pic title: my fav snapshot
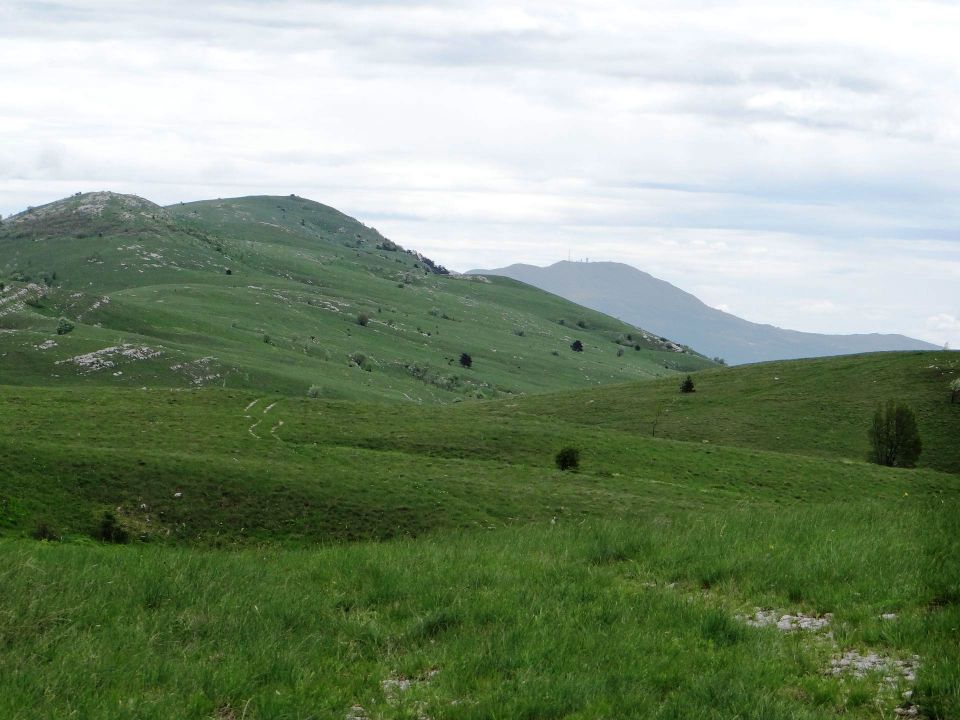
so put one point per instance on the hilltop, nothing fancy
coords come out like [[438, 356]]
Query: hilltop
[[288, 294], [637, 297]]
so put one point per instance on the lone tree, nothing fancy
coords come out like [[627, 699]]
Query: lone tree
[[363, 319], [576, 346], [465, 360], [955, 390], [64, 326], [687, 385], [894, 436]]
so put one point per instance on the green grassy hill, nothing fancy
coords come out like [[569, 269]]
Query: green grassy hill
[[819, 407], [274, 468], [268, 292]]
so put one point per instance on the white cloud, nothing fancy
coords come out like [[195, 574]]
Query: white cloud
[[768, 156]]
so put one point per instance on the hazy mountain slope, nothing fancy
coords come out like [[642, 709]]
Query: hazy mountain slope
[[637, 297], [282, 293]]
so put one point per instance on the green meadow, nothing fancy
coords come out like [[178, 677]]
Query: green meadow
[[308, 534]]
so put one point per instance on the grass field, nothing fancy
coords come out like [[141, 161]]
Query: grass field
[[629, 619], [399, 543]]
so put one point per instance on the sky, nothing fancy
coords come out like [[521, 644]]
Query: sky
[[792, 163]]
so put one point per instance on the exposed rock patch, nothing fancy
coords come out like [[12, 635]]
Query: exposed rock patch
[[107, 357], [893, 670], [786, 622]]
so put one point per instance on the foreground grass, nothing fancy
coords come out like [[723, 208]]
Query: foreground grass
[[595, 620]]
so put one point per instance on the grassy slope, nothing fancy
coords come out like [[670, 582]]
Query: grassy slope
[[290, 469], [286, 316], [819, 407]]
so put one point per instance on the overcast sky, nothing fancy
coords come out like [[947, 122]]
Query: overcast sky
[[794, 163]]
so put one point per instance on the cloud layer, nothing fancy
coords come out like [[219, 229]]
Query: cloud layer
[[796, 164]]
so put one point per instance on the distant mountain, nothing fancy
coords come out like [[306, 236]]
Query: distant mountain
[[641, 299]]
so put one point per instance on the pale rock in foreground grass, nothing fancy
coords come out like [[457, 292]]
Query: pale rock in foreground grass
[[853, 663], [786, 622], [357, 712], [396, 685]]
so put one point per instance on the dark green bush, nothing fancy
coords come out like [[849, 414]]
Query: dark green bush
[[64, 326], [576, 346], [568, 458], [687, 385], [465, 360], [110, 530], [45, 531]]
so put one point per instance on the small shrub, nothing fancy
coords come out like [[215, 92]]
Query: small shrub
[[363, 319], [555, 353], [465, 360], [518, 332], [955, 390], [576, 346], [619, 352], [267, 340], [360, 360], [894, 436], [110, 530], [45, 531], [582, 324], [228, 271], [687, 385], [568, 458], [325, 392], [64, 326]]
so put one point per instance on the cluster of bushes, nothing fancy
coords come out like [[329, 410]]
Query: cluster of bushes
[[107, 529], [432, 376]]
